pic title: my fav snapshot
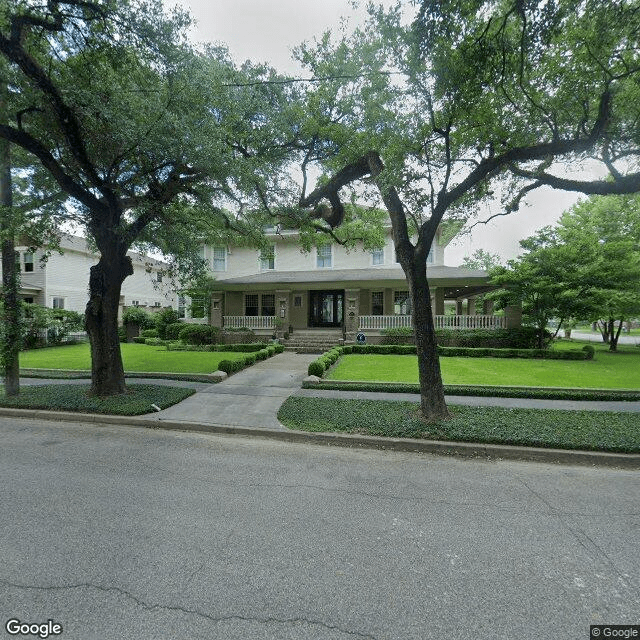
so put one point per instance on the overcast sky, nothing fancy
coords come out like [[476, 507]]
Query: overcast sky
[[267, 30]]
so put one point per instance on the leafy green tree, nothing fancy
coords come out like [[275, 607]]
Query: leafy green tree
[[433, 116], [151, 141], [604, 268], [482, 260]]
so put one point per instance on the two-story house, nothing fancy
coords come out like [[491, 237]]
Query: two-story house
[[333, 287], [62, 281]]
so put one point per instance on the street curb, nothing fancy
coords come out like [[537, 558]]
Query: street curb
[[448, 448]]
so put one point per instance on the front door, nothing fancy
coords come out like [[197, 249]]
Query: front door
[[326, 308]]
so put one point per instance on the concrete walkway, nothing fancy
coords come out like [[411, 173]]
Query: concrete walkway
[[252, 397], [249, 398]]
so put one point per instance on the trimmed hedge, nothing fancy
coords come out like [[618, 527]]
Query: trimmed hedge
[[243, 348], [199, 334], [233, 366], [172, 331], [514, 338], [586, 353], [482, 391], [149, 333]]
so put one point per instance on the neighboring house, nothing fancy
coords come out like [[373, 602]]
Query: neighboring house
[[332, 287], [62, 281]]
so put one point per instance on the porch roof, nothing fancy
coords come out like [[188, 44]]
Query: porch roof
[[456, 281]]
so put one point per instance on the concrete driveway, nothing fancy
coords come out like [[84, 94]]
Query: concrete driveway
[[250, 398]]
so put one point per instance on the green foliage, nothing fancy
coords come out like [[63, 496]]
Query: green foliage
[[167, 318], [171, 331], [482, 391], [67, 397], [149, 333], [199, 334], [139, 316], [56, 324], [589, 430]]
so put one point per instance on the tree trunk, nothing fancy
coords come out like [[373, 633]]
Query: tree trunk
[[11, 329], [615, 334], [101, 322], [432, 403]]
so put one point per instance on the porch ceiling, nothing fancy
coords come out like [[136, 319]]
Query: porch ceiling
[[452, 278]]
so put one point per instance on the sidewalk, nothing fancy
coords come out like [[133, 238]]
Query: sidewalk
[[247, 404]]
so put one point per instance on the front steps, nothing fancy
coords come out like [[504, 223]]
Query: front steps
[[313, 340]]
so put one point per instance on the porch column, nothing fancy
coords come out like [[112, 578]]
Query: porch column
[[471, 306], [513, 316], [487, 307], [215, 314], [459, 307], [439, 302], [351, 313], [282, 310]]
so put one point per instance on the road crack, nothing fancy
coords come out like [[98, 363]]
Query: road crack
[[191, 612]]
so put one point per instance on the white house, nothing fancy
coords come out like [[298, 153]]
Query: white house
[[333, 287], [62, 281]]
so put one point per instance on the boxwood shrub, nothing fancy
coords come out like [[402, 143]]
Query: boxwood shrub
[[199, 334]]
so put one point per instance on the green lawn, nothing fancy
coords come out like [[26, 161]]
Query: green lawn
[[607, 371], [590, 430], [136, 357]]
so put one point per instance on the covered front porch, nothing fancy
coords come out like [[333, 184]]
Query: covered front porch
[[353, 301]]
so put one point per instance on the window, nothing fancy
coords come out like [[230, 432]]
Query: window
[[377, 256], [28, 262], [219, 259], [401, 303], [135, 303], [251, 304], [377, 303], [156, 304], [297, 302], [430, 258], [268, 259], [58, 303], [159, 278], [198, 308], [268, 304], [324, 257]]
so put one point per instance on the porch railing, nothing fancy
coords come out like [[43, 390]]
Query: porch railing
[[441, 322], [250, 322]]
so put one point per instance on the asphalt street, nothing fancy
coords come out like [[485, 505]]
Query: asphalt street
[[119, 532]]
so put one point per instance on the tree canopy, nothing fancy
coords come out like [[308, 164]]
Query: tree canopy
[[585, 268]]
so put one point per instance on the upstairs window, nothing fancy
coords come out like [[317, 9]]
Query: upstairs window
[[377, 256], [268, 259], [28, 262], [58, 303], [219, 258], [324, 257]]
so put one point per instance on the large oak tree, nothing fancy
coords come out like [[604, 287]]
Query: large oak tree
[[470, 99], [142, 133]]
